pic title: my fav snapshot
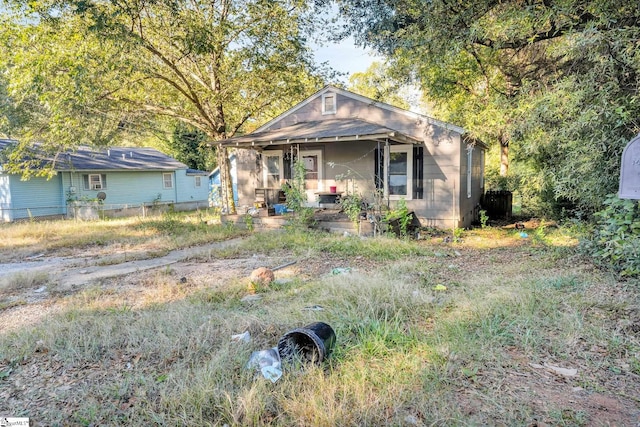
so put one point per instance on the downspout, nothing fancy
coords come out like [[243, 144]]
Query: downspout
[[454, 224]]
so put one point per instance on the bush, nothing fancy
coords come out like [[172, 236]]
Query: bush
[[615, 242]]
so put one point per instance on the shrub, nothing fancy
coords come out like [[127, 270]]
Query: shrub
[[402, 215], [615, 242], [352, 206], [296, 197]]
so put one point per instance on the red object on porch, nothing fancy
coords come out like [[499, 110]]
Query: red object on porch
[[333, 189]]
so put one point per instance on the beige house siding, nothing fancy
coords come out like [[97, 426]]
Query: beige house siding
[[350, 165], [419, 127]]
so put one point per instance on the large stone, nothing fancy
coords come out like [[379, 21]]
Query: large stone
[[630, 171], [262, 277]]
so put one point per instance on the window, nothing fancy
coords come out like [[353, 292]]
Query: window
[[167, 180], [94, 181], [469, 167], [312, 171], [329, 103], [399, 174], [402, 175], [198, 181], [272, 169]]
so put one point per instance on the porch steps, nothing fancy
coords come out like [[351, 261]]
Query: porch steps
[[333, 225]]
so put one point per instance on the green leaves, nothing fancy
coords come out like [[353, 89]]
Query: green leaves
[[377, 83], [116, 71], [616, 239], [557, 82]]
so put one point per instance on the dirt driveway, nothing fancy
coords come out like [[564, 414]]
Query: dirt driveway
[[68, 275]]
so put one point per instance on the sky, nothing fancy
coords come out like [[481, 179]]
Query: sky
[[345, 56]]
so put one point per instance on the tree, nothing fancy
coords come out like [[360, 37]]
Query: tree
[[188, 145], [377, 83], [219, 66], [50, 91], [555, 81]]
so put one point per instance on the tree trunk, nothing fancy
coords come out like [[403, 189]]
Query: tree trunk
[[504, 155], [231, 203], [226, 182]]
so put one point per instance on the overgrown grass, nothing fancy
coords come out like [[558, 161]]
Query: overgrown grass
[[406, 354], [162, 233], [313, 243], [26, 280]]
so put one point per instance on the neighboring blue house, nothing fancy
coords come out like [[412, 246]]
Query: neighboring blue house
[[215, 198], [125, 180]]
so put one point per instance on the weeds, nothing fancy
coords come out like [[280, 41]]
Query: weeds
[[405, 354], [21, 281], [170, 231]]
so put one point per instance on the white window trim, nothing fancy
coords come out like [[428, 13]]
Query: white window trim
[[469, 169], [399, 149], [164, 181], [95, 185], [311, 196], [334, 110], [265, 170], [197, 181]]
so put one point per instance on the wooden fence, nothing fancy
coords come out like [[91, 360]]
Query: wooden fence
[[498, 204]]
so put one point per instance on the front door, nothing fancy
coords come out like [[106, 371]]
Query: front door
[[313, 175]]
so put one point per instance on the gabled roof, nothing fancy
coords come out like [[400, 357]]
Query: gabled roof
[[330, 130], [383, 105], [116, 159]]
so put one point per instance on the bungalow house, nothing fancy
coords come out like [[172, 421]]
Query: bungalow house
[[353, 144], [120, 181]]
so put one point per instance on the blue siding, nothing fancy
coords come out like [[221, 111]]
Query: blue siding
[[42, 197], [138, 187], [123, 188], [36, 197], [188, 192]]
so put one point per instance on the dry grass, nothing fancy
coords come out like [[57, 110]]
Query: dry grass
[[135, 237], [158, 351]]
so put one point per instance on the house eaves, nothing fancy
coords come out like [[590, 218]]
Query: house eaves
[[196, 172], [322, 131], [364, 99], [470, 140]]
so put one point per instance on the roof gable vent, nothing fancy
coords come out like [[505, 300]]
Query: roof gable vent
[[329, 103]]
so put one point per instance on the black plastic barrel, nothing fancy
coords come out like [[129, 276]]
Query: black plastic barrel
[[311, 344]]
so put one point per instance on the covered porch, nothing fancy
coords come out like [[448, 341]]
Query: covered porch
[[340, 156]]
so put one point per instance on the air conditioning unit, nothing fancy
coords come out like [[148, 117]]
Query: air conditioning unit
[[97, 187]]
